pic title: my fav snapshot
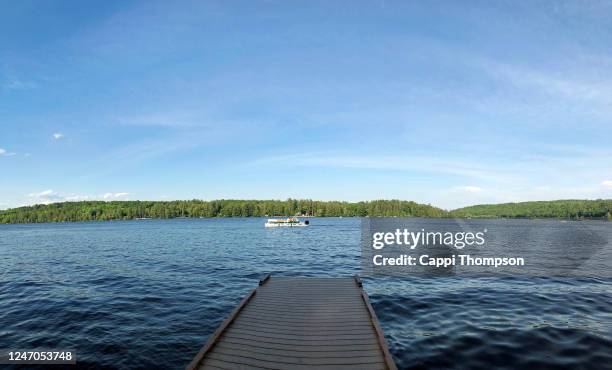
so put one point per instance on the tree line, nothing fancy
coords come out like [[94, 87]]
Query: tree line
[[567, 209], [127, 210]]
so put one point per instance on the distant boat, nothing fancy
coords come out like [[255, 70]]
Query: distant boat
[[286, 222]]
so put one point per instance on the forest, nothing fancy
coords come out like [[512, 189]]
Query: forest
[[567, 209], [127, 210]]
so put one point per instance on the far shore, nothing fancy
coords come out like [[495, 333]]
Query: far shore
[[568, 210]]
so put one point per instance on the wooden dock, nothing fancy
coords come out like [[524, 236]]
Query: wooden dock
[[299, 324]]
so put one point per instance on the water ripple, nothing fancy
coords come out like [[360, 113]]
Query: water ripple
[[147, 294]]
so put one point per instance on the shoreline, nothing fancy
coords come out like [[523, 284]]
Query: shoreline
[[569, 210], [328, 217]]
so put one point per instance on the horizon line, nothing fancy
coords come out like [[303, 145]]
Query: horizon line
[[296, 199]]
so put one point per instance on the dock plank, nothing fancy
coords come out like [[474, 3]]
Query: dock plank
[[299, 323], [298, 352]]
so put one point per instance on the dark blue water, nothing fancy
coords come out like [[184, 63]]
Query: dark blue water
[[147, 294]]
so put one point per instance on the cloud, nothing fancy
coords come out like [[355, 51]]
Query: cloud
[[570, 87], [76, 198], [607, 184], [46, 197], [406, 162], [58, 135], [470, 189], [50, 196], [115, 196], [175, 120], [455, 178], [5, 153], [581, 88], [20, 85]]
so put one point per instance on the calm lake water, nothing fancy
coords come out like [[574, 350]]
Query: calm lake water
[[147, 294]]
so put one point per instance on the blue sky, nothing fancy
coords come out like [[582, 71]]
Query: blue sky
[[439, 102]]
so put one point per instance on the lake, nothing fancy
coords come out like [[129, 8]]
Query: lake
[[147, 294]]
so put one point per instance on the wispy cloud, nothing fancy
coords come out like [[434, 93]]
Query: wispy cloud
[[583, 87], [51, 196], [76, 198], [572, 87], [516, 170], [492, 179], [58, 136], [469, 189], [5, 153], [149, 148], [399, 162], [115, 196], [607, 184], [46, 197], [165, 119], [16, 84]]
